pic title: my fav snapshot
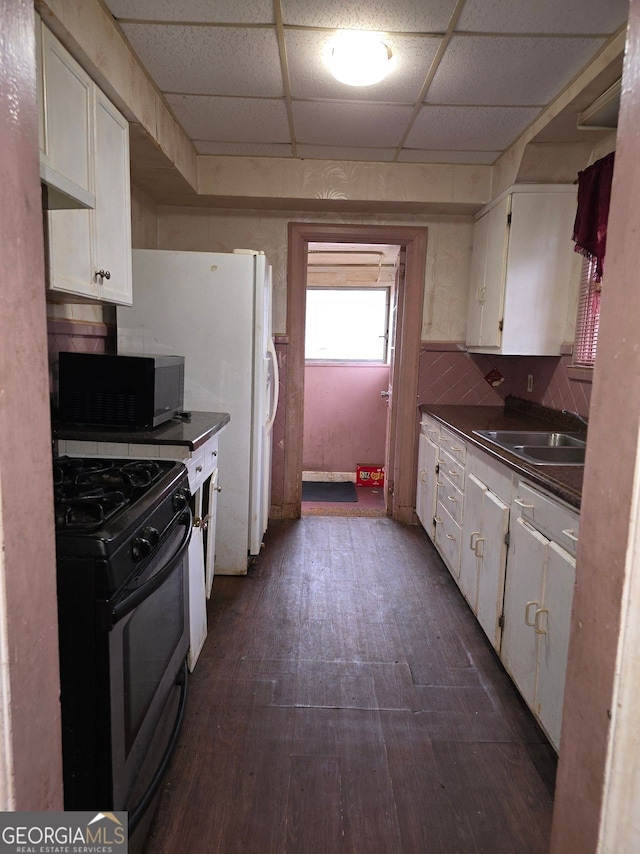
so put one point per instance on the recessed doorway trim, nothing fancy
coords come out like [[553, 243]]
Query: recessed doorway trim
[[408, 330]]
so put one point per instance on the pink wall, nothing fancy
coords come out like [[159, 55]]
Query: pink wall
[[27, 557], [345, 419]]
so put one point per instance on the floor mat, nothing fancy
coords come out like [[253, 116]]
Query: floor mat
[[313, 490]]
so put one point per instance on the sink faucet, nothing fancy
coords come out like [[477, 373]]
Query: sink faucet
[[576, 415]]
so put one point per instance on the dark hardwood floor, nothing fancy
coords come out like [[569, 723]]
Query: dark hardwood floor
[[347, 701]]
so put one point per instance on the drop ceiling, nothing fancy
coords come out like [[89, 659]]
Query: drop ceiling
[[247, 77]]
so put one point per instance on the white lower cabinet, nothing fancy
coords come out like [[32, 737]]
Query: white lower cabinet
[[426, 486], [511, 549], [537, 604], [484, 555], [522, 598]]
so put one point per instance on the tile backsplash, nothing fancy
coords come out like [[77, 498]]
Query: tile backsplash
[[449, 375]]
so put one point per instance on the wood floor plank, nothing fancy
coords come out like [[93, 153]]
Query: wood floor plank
[[346, 702]]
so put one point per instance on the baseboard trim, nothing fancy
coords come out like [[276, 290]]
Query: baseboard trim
[[329, 476]]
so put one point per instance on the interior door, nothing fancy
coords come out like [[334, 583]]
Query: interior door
[[394, 307]]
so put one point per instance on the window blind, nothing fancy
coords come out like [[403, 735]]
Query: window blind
[[588, 319]]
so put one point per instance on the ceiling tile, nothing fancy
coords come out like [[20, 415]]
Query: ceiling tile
[[209, 60], [348, 124], [311, 78], [243, 149], [416, 155], [205, 117], [543, 16], [221, 12], [403, 16], [469, 128], [330, 152], [508, 71]]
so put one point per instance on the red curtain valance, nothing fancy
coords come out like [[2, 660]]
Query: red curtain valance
[[594, 194]]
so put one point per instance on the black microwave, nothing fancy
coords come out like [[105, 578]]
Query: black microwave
[[133, 390]]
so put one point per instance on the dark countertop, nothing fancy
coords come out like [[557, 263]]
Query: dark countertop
[[192, 433], [563, 481]]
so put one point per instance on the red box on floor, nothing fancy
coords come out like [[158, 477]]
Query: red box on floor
[[369, 475]]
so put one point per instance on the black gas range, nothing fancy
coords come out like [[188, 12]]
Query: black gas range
[[122, 534]]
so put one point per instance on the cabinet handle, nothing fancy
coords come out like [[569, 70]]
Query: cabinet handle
[[450, 537], [104, 274], [526, 613], [438, 483], [453, 499], [536, 624], [456, 448], [482, 293], [218, 489], [198, 469], [214, 453], [524, 504], [569, 532], [475, 548], [472, 545], [437, 520], [422, 476], [453, 473]]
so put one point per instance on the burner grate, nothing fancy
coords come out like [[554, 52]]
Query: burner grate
[[89, 492]]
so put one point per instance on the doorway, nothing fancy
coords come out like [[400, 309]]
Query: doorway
[[349, 345], [402, 419]]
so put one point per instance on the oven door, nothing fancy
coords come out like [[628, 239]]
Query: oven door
[[148, 643]]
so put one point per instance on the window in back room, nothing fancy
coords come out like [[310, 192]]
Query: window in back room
[[349, 299]]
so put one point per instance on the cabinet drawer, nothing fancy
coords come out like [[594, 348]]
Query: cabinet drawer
[[209, 457], [555, 520], [430, 428], [450, 497], [451, 468], [496, 476], [453, 444], [448, 537]]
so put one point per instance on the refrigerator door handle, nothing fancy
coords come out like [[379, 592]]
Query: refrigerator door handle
[[271, 350]]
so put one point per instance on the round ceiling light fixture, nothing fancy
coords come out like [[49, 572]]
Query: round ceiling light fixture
[[359, 58]]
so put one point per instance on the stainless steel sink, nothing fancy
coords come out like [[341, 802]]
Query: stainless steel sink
[[540, 447]]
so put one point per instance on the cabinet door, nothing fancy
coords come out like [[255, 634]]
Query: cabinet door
[[211, 492], [522, 597], [448, 537], [71, 253], [67, 115], [477, 287], [427, 463], [491, 572], [542, 271], [113, 205], [494, 283], [197, 601], [472, 536], [552, 626]]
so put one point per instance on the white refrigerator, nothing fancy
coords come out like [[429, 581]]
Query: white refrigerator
[[215, 310]]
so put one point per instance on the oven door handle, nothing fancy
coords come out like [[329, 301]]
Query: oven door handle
[[138, 595]]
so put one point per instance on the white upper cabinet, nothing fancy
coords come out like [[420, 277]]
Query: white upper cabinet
[[65, 99], [86, 138], [524, 272]]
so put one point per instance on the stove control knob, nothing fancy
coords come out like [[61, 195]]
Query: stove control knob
[[143, 545], [180, 500], [140, 548], [151, 535]]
